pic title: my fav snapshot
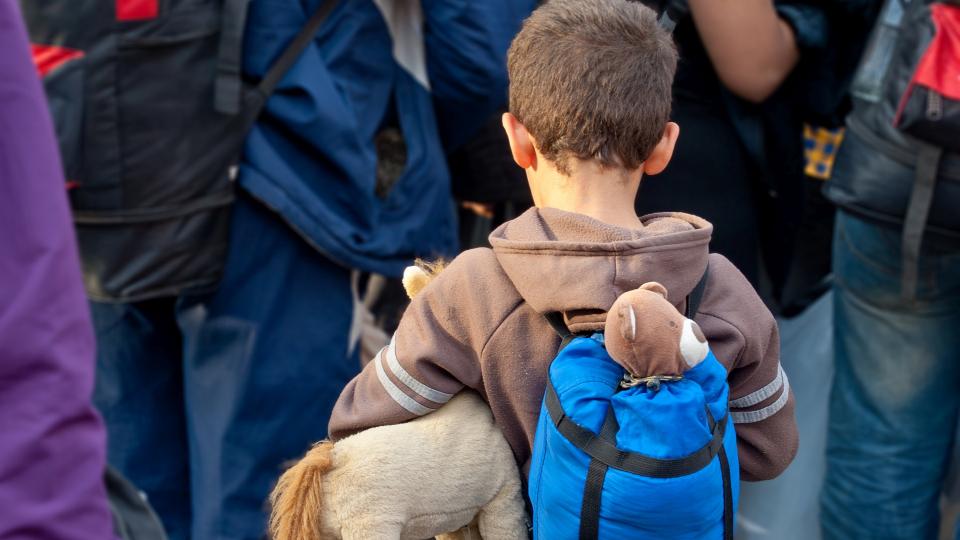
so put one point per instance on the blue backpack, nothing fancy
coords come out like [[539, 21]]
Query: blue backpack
[[649, 461]]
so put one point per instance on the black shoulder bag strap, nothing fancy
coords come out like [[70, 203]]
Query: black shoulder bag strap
[[258, 98], [252, 97], [229, 87]]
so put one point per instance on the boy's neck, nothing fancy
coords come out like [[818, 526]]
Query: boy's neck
[[606, 195]]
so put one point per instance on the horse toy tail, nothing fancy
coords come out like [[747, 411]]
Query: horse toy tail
[[297, 498]]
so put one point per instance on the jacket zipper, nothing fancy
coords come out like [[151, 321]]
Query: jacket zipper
[[934, 106]]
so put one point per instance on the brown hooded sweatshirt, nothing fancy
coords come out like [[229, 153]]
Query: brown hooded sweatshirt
[[480, 324]]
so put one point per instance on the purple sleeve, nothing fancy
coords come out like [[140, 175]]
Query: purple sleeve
[[52, 447]]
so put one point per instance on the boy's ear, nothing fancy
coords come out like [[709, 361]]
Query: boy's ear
[[521, 144], [658, 159]]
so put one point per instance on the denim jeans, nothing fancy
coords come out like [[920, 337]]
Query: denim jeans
[[896, 392], [206, 396]]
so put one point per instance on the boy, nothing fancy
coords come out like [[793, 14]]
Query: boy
[[590, 103]]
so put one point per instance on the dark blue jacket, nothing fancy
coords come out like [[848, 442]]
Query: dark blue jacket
[[312, 156]]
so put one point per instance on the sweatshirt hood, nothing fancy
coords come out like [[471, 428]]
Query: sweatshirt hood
[[578, 265]]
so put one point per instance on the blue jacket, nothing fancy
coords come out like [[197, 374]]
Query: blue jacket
[[312, 156]]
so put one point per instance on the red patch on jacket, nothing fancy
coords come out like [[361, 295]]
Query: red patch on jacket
[[939, 69], [137, 10], [49, 57]]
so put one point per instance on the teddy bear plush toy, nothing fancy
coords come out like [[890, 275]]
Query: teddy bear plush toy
[[451, 470], [661, 346]]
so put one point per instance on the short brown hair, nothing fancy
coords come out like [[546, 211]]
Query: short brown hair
[[591, 79]]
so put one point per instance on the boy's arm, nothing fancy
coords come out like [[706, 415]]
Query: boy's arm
[[743, 335], [432, 356]]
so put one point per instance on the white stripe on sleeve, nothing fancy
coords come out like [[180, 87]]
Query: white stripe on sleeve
[[396, 393], [423, 390], [749, 417], [761, 394]]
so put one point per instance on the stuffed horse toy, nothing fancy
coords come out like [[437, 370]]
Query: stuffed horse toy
[[451, 470]]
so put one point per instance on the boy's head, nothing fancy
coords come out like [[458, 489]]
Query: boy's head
[[590, 80]]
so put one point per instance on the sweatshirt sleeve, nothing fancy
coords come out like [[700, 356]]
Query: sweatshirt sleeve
[[433, 355], [744, 336]]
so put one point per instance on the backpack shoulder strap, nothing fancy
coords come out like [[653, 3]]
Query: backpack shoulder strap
[[696, 295], [555, 318], [292, 52], [228, 87], [915, 220], [283, 64]]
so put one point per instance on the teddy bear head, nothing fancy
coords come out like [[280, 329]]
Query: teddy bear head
[[648, 337]]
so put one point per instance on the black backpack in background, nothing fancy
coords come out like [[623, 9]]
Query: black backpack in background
[[900, 161], [151, 112]]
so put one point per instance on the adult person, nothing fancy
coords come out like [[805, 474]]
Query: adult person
[[266, 355], [895, 402], [750, 73], [729, 51], [52, 448]]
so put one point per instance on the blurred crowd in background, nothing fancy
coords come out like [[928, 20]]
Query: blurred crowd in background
[[247, 180]]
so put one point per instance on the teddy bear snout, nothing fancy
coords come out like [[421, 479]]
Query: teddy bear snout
[[693, 344]]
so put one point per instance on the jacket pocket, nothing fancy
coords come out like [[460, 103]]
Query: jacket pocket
[[65, 93], [168, 127]]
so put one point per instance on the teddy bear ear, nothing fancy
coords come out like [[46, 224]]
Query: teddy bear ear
[[653, 286], [628, 322], [414, 280]]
